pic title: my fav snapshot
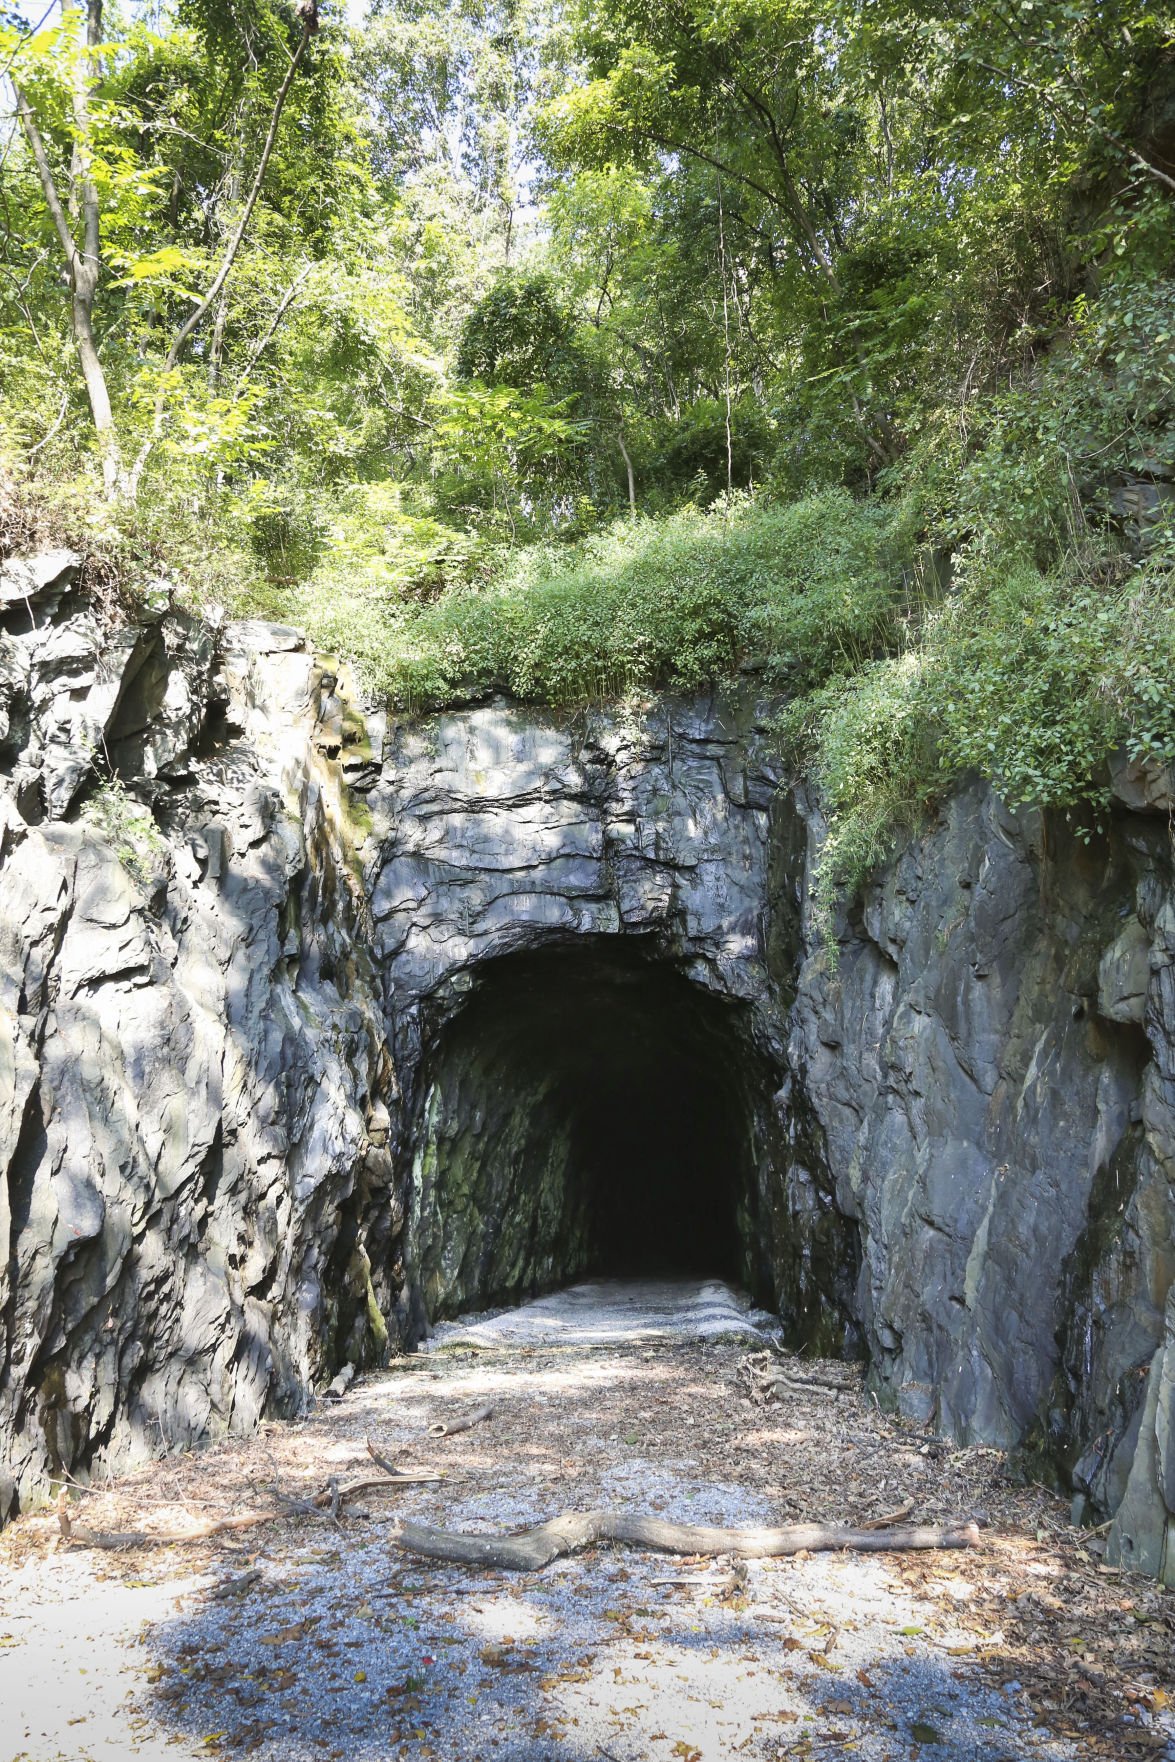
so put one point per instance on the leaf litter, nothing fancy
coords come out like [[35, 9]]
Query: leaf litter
[[314, 1637]]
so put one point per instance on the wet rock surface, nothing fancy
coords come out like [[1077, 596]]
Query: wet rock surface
[[273, 1099]]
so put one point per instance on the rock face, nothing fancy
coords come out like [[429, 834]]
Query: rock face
[[192, 1055], [314, 1029], [500, 833], [990, 1064]]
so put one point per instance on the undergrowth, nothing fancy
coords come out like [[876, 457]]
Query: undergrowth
[[803, 590]]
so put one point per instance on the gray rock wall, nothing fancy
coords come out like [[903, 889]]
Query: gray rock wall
[[242, 1139], [989, 1061], [192, 1053]]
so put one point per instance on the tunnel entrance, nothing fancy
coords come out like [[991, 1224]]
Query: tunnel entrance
[[588, 1111]]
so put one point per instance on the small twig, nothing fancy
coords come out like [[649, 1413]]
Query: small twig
[[46, 438], [693, 1578], [450, 1428], [381, 1461], [903, 1511]]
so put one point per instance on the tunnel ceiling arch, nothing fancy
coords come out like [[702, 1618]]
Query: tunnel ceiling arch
[[585, 926]]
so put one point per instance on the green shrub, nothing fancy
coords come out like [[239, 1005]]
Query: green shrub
[[869, 744], [679, 602], [1023, 679], [1036, 682]]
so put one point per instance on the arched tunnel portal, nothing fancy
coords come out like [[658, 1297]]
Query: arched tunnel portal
[[589, 1109]]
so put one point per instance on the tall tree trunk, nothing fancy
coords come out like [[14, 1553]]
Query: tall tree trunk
[[82, 261]]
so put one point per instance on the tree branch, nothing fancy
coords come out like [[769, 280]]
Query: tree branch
[[283, 307], [196, 318], [45, 173]]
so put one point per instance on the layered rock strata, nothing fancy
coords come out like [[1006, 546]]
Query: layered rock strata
[[304, 1040]]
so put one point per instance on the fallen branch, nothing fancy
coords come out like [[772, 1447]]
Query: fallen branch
[[336, 1390], [118, 1539], [768, 1378], [566, 1534], [450, 1428]]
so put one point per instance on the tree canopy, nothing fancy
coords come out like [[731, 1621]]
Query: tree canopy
[[519, 344]]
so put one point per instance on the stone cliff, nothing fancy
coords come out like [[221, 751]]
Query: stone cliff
[[315, 1027]]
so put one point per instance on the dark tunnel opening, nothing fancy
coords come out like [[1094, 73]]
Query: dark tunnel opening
[[588, 1111]]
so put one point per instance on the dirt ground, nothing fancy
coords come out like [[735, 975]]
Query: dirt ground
[[314, 1636]]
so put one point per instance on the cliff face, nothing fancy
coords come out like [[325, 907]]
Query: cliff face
[[192, 1056], [314, 1029], [991, 1069]]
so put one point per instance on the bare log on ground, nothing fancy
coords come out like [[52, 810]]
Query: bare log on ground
[[450, 1428], [534, 1548], [341, 1384]]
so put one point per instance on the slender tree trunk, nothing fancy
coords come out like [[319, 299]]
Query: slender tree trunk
[[86, 265], [309, 15], [631, 475], [725, 341], [216, 352], [82, 262]]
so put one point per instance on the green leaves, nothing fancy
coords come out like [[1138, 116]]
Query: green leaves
[[166, 264], [677, 602]]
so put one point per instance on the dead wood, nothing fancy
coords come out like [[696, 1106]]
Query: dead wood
[[389, 1468], [768, 1378], [532, 1549], [118, 1539], [450, 1428], [336, 1390], [904, 1510]]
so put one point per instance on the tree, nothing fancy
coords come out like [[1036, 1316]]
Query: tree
[[74, 56], [82, 257]]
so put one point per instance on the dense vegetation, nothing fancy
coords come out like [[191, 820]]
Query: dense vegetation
[[581, 349]]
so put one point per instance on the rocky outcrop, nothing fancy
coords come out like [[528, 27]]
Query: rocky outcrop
[[315, 1027], [192, 1055], [985, 1064]]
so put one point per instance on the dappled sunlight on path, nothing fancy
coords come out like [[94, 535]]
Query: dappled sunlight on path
[[311, 1638]]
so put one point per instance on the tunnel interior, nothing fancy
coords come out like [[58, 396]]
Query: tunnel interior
[[587, 1111]]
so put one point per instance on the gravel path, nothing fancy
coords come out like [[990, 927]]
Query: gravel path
[[333, 1644]]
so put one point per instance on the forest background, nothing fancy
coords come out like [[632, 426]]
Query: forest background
[[578, 348]]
